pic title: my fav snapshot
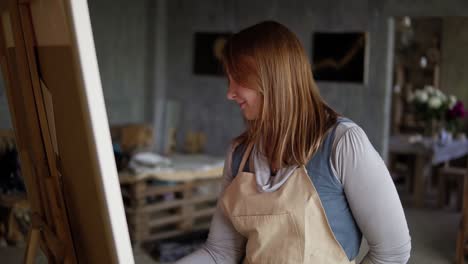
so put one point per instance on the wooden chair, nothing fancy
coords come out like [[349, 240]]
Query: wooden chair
[[450, 173], [461, 176], [462, 247]]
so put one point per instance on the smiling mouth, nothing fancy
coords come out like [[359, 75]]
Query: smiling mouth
[[242, 105]]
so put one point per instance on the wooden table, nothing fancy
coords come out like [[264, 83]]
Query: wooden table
[[182, 168], [428, 153]]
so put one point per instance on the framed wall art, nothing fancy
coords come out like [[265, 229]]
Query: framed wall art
[[339, 57]]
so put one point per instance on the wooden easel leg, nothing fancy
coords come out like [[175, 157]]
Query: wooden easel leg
[[32, 246]]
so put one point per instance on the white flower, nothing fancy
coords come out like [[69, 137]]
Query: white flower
[[429, 89], [452, 101], [435, 102], [421, 96]]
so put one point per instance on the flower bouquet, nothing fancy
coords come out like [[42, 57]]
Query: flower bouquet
[[436, 109]]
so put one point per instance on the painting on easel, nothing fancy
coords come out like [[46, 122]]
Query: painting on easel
[[54, 92], [339, 57]]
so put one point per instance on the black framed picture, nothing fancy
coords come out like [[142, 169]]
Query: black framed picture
[[208, 47], [339, 57]]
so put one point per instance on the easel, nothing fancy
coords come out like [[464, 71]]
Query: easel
[[31, 117]]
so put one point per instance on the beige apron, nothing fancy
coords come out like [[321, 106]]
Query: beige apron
[[288, 225]]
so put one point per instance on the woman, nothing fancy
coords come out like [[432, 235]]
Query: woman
[[302, 184]]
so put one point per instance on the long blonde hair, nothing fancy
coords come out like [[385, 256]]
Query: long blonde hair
[[293, 119]]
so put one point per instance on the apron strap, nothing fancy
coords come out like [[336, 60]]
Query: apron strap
[[245, 157]]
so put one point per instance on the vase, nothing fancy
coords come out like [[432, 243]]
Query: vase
[[432, 128]]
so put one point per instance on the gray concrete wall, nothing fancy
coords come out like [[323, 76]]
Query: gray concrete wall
[[120, 30]]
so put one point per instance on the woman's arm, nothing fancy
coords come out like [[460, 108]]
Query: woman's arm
[[224, 244], [372, 197]]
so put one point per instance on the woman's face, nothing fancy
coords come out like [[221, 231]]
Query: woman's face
[[247, 99]]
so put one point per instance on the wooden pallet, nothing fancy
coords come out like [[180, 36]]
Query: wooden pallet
[[157, 210]]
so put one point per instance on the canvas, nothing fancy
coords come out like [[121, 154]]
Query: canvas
[[55, 97]]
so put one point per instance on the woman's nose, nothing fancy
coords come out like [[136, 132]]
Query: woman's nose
[[231, 95]]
